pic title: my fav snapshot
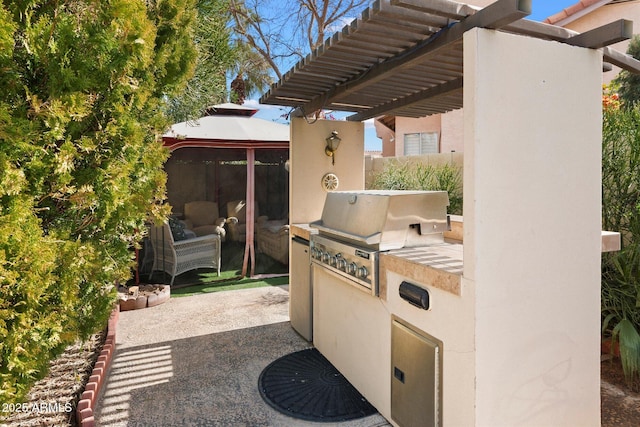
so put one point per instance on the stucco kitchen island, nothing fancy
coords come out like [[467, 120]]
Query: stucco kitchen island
[[354, 330], [520, 343]]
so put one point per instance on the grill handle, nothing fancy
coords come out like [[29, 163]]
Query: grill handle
[[414, 295], [369, 240]]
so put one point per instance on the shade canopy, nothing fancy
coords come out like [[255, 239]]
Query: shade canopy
[[228, 127]]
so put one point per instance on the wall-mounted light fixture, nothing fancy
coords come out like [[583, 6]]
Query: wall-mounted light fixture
[[333, 142]]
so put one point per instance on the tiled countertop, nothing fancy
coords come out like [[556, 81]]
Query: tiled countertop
[[439, 266], [446, 257]]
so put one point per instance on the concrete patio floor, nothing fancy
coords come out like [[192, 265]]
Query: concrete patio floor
[[196, 361]]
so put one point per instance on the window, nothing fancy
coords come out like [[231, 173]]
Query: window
[[420, 143]]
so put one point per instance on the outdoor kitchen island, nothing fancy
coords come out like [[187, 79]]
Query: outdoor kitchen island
[[391, 339], [387, 295], [519, 345]]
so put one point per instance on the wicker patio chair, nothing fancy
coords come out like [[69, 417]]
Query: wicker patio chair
[[177, 257]]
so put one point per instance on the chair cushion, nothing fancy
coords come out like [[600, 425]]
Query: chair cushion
[[276, 226], [201, 213], [203, 230]]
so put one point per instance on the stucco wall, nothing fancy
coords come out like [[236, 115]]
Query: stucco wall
[[452, 131], [309, 164], [532, 228], [405, 125], [388, 138]]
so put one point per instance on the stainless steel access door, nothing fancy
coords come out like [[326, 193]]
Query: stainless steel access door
[[300, 289], [415, 377]]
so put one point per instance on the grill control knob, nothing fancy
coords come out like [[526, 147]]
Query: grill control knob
[[353, 267], [325, 257], [315, 253], [342, 264], [333, 261], [362, 272]]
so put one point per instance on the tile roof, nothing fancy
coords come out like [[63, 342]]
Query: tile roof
[[571, 10]]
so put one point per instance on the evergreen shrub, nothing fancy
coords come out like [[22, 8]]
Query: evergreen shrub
[[83, 92]]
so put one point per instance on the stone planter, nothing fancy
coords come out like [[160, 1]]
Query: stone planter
[[143, 296]]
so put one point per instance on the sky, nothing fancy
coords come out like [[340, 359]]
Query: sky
[[541, 9]]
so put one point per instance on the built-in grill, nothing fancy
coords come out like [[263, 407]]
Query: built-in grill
[[356, 226]]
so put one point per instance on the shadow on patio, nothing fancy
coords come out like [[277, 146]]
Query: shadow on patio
[[197, 360]]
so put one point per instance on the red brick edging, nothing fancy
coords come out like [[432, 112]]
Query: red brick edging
[[88, 399]]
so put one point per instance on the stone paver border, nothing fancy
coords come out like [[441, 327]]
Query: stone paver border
[[88, 399]]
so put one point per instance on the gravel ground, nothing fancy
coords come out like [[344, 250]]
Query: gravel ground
[[52, 400]]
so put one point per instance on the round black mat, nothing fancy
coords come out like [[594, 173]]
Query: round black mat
[[307, 386]]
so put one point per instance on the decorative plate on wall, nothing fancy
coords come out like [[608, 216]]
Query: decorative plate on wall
[[330, 182]]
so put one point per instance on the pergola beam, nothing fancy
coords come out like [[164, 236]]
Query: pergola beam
[[552, 32], [605, 35], [496, 15], [446, 8], [619, 59], [408, 101]]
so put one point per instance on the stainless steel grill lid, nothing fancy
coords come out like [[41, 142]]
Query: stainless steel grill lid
[[385, 219]]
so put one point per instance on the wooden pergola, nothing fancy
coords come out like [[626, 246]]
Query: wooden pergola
[[404, 57]]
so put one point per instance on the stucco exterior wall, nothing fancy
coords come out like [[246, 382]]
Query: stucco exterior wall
[[388, 138], [309, 164], [452, 136], [532, 228], [405, 125]]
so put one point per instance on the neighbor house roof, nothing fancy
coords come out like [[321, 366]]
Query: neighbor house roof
[[404, 57], [575, 11]]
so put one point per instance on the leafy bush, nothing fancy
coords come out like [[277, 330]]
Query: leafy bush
[[82, 100], [406, 176], [621, 212]]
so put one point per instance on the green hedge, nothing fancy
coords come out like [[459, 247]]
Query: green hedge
[[621, 212], [81, 106], [404, 175]]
